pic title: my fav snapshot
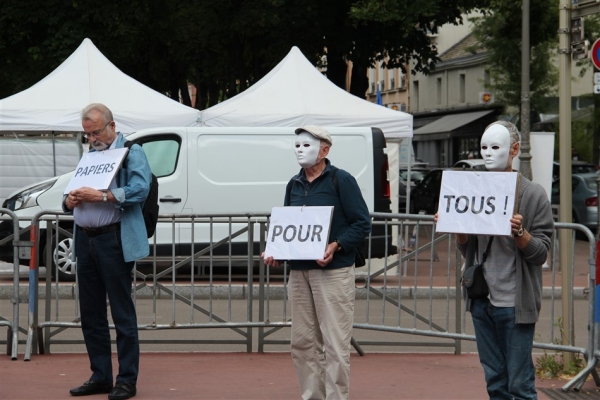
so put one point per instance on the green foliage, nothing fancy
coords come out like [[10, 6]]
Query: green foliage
[[551, 366], [582, 133], [499, 32], [224, 46], [591, 31]]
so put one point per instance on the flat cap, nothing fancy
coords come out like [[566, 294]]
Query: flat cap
[[318, 132]]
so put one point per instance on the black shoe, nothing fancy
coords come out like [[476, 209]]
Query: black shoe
[[91, 387], [122, 391]]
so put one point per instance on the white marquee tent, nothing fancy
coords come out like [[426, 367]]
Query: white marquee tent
[[53, 106], [295, 93], [87, 76]]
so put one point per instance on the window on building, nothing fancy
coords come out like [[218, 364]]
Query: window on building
[[486, 77], [468, 148], [461, 88], [438, 83], [414, 97], [392, 84]]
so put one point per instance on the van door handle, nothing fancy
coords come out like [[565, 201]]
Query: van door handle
[[170, 200]]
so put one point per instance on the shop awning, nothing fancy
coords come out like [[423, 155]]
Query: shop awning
[[442, 128]]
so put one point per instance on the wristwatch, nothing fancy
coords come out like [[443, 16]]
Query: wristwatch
[[104, 197], [519, 232], [339, 245]]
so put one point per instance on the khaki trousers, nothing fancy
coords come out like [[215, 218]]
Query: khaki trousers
[[322, 316]]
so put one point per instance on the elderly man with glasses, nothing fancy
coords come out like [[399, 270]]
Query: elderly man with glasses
[[110, 236]]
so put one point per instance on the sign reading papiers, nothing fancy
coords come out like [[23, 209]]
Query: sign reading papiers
[[298, 233], [97, 169], [480, 203]]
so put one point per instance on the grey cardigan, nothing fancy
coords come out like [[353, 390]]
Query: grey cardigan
[[535, 208]]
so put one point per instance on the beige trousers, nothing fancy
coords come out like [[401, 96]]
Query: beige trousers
[[322, 317]]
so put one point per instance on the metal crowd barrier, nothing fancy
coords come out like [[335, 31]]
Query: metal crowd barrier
[[12, 341], [402, 293]]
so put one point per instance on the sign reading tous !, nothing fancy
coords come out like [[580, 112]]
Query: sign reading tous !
[[477, 202], [298, 233], [97, 169]]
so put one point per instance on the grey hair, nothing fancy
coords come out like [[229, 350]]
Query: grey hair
[[512, 130], [107, 115]]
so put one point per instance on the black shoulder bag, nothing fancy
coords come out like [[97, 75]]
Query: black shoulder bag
[[473, 278]]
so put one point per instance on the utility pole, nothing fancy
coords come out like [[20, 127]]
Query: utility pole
[[525, 157], [565, 212]]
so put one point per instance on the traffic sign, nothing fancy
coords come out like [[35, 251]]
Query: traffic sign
[[596, 89], [596, 54], [596, 78]]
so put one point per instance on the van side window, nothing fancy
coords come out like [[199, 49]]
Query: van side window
[[162, 155]]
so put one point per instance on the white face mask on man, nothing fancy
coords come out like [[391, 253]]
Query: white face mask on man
[[307, 148], [495, 148]]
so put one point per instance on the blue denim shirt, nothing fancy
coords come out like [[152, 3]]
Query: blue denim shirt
[[133, 185]]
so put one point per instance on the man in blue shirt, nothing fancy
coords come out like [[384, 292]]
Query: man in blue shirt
[[322, 291], [110, 235]]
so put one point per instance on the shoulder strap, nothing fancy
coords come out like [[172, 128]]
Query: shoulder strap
[[128, 144], [487, 250], [335, 180], [288, 190]]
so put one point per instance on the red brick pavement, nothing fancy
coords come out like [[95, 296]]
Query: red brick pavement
[[249, 376]]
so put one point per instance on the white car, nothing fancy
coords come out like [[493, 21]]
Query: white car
[[476, 164]]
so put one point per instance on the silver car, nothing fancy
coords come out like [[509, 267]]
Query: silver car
[[585, 198]]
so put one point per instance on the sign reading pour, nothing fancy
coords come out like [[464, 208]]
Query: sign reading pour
[[298, 233]]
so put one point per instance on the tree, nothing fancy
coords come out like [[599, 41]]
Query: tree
[[222, 47], [499, 32]]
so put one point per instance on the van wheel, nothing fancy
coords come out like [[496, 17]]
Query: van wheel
[[61, 261]]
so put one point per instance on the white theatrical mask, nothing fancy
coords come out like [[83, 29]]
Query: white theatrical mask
[[495, 147], [307, 149]]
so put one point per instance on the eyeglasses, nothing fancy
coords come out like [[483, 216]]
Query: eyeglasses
[[96, 133]]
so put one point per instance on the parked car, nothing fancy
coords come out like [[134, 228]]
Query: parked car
[[577, 167], [472, 164], [425, 195], [417, 173], [584, 200]]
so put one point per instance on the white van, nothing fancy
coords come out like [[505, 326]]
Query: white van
[[209, 170]]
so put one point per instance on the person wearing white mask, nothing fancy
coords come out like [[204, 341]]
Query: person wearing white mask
[[322, 291], [504, 321]]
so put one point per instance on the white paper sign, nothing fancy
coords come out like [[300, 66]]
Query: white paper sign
[[298, 233], [477, 202], [97, 169]]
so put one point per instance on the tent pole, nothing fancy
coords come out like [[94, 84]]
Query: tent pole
[[54, 151]]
